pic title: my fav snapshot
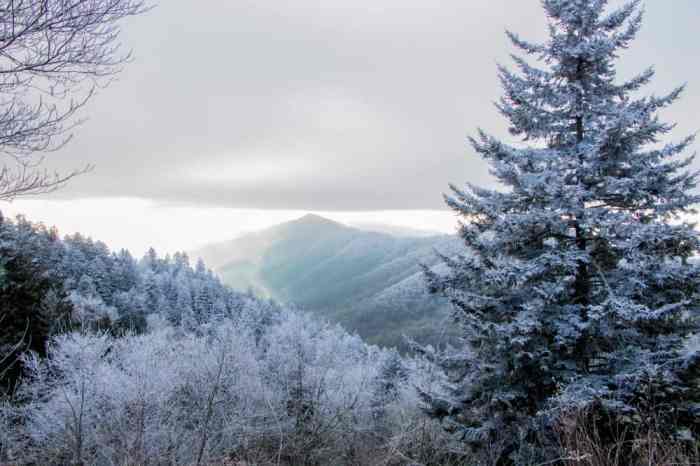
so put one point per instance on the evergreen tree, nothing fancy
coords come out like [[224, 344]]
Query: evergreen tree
[[577, 290], [32, 303], [151, 260], [392, 374], [125, 271], [201, 268]]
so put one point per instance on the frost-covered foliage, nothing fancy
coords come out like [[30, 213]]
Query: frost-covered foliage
[[50, 285], [156, 362], [174, 397], [577, 289]]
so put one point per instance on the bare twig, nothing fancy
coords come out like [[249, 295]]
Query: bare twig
[[54, 54]]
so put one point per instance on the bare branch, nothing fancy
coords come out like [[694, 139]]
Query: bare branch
[[53, 55]]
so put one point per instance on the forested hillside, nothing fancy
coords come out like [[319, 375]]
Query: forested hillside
[[154, 361], [367, 281], [50, 285]]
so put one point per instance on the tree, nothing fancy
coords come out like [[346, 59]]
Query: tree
[[32, 303], [577, 290], [53, 55], [392, 375]]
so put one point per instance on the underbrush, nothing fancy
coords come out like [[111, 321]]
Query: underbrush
[[585, 442], [402, 438]]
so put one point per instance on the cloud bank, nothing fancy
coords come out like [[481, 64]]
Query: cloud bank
[[334, 105]]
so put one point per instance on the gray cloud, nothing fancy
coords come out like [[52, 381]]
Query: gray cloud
[[333, 105]]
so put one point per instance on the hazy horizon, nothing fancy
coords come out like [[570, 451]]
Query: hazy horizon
[[138, 224]]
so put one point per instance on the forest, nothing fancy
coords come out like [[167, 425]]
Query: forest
[[573, 301], [155, 362]]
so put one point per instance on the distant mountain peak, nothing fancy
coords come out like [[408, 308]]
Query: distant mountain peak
[[314, 219]]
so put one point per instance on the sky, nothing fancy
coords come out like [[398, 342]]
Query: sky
[[236, 115]]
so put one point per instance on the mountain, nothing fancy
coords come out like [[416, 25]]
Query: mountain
[[368, 281]]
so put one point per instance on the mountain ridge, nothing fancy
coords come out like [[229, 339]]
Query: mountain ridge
[[368, 281]]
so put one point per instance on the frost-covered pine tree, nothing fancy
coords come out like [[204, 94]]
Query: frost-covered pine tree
[[579, 286]]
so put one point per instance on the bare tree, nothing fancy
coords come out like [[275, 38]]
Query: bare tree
[[54, 54], [211, 399]]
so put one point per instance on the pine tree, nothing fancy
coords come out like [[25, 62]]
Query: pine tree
[[577, 289], [391, 375], [27, 321]]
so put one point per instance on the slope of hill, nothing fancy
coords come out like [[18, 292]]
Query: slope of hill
[[368, 281]]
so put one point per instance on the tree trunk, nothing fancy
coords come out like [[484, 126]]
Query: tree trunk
[[582, 282]]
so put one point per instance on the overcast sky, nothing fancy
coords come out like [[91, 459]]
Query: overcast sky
[[331, 106]]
